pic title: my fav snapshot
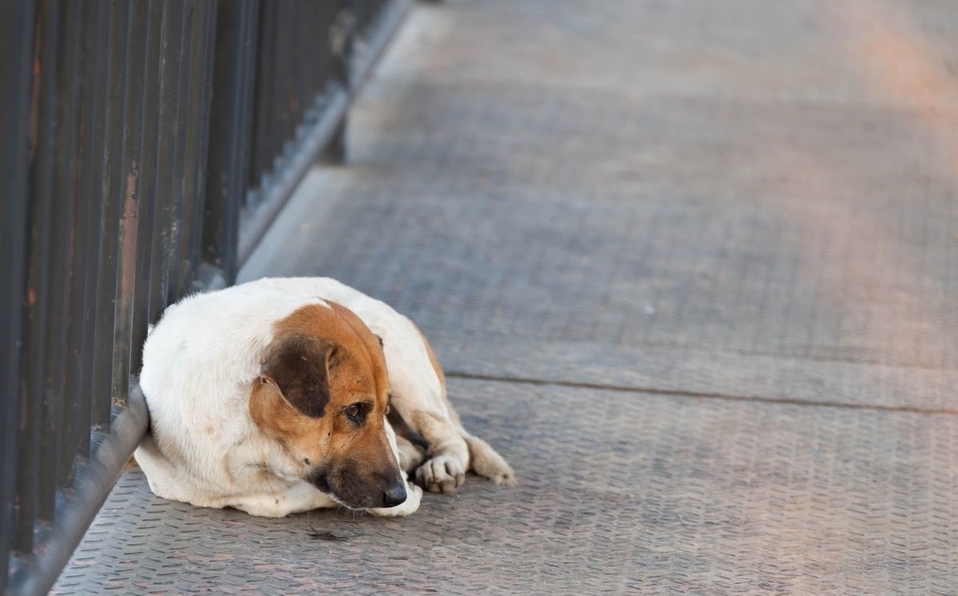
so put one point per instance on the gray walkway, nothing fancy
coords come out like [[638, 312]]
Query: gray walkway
[[693, 268]]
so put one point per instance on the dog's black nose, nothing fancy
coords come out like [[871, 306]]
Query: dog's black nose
[[394, 495]]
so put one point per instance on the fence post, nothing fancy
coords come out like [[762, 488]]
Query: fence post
[[341, 37], [231, 128], [16, 61]]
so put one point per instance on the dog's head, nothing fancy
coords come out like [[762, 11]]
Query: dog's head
[[323, 395]]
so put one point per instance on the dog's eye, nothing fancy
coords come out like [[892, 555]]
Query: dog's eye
[[355, 412]]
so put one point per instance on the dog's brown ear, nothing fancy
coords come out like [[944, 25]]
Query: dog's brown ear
[[299, 366]]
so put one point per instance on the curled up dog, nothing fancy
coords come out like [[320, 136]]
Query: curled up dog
[[285, 395]]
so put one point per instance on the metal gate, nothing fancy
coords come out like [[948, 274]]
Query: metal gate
[[147, 145]]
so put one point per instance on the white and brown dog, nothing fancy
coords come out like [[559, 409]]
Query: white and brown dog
[[277, 396]]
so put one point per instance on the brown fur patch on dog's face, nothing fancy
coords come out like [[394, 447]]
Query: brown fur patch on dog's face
[[323, 394]]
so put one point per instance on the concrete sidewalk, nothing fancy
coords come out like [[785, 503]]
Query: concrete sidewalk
[[692, 268]]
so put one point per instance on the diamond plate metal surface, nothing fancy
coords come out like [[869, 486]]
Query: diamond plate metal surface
[[692, 268], [735, 237], [621, 492]]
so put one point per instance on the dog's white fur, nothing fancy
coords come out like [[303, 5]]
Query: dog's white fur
[[200, 362]]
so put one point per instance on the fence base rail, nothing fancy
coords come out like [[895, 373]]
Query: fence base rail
[[76, 508]]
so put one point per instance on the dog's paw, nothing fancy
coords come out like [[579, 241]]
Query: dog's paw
[[501, 477], [409, 506], [495, 469], [489, 464], [441, 474]]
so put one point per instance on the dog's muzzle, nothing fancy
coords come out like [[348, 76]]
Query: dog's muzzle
[[318, 479], [353, 496]]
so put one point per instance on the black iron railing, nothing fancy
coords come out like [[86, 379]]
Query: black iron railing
[[146, 146]]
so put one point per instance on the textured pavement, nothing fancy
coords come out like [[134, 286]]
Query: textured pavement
[[692, 268]]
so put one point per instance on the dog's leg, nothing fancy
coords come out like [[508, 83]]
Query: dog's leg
[[484, 460], [419, 398], [487, 462], [410, 456], [448, 454], [411, 446]]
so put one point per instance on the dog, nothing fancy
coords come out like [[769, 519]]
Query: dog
[[289, 394]]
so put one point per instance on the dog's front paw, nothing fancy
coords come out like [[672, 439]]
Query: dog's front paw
[[441, 474]]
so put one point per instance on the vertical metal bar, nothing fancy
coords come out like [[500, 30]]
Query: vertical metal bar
[[309, 41], [129, 193], [110, 197], [321, 74], [16, 61], [343, 52], [195, 134], [273, 92], [97, 62], [148, 203], [36, 481], [342, 34], [305, 27], [59, 222], [324, 48], [185, 153], [265, 85], [283, 89], [62, 435], [164, 227], [293, 49], [361, 14], [203, 124], [231, 118], [81, 20], [183, 34], [92, 128]]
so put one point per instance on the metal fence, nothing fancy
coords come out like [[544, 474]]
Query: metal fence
[[146, 146]]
